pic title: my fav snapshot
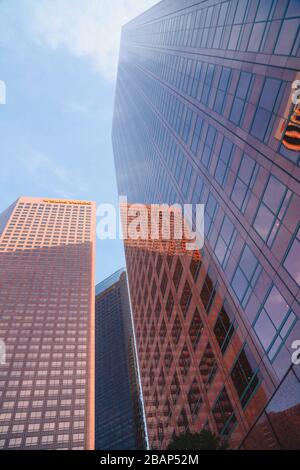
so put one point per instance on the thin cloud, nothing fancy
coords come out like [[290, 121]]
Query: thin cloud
[[86, 28], [41, 167], [38, 162]]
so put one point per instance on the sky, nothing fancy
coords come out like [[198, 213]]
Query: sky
[[58, 59]]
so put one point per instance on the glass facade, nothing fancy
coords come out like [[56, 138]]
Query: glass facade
[[47, 324], [119, 423], [203, 93], [278, 425]]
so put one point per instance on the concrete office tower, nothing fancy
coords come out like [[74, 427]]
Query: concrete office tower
[[47, 324], [119, 421], [202, 115]]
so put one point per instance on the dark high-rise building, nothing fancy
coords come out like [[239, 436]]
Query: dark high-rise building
[[47, 310], [203, 114], [118, 413]]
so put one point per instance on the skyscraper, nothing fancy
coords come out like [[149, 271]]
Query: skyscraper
[[119, 420], [202, 113], [47, 324]]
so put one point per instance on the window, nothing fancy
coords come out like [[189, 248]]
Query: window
[[34, 427], [150, 271], [177, 274], [240, 11], [291, 262], [153, 290], [186, 86], [196, 80], [4, 429], [263, 10], [157, 309], [287, 37], [185, 298], [178, 166], [169, 305], [178, 115], [196, 136], [223, 13], [256, 37], [184, 361], [5, 416], [31, 441], [176, 330], [223, 414], [209, 145], [224, 162], [242, 95], [220, 100], [47, 439], [211, 208], [245, 276], [194, 399], [168, 359], [245, 375], [187, 125], [271, 210], [274, 322], [175, 388], [187, 180], [265, 108], [162, 331], [196, 329], [195, 268], [182, 422], [160, 432], [158, 265], [293, 9], [207, 83], [16, 441], [225, 327], [234, 37], [161, 381], [217, 37], [225, 241], [208, 292], [244, 182], [164, 283], [208, 366]]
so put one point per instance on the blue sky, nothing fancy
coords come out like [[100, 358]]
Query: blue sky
[[58, 59]]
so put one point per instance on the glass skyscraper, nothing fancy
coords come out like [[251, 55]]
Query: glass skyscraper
[[47, 324], [203, 100], [119, 421]]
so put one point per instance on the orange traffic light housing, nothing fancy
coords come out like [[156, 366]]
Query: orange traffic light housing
[[291, 137]]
